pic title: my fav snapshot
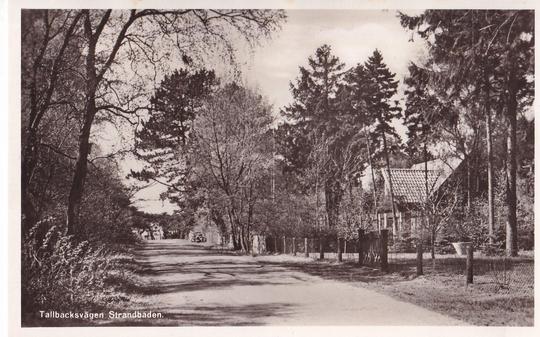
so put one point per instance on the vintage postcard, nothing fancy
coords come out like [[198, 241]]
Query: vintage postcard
[[280, 165]]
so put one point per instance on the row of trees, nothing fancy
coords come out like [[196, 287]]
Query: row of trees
[[210, 145], [214, 146], [211, 142], [479, 75], [86, 70], [340, 121]]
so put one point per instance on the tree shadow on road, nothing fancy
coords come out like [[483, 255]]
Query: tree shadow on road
[[344, 272], [168, 277]]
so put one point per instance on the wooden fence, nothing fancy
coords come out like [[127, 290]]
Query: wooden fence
[[371, 248]]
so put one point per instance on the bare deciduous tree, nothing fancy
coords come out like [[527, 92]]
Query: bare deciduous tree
[[127, 37]]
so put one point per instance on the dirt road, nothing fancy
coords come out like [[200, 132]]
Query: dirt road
[[194, 285]]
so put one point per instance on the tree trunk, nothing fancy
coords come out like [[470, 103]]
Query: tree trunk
[[339, 251], [433, 237], [243, 243], [426, 172], [90, 110], [234, 230], [27, 169], [333, 195], [491, 219], [79, 176], [245, 240], [81, 165], [425, 211], [321, 247], [468, 167], [511, 171], [368, 145], [28, 163], [419, 258], [317, 224], [387, 158]]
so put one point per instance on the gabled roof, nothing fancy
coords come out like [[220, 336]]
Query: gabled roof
[[409, 185]]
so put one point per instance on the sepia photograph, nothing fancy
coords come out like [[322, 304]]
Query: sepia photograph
[[223, 167]]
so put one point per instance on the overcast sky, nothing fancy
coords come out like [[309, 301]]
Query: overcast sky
[[353, 36]]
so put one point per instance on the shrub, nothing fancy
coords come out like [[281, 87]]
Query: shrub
[[492, 250], [526, 238], [59, 273], [444, 246], [405, 244]]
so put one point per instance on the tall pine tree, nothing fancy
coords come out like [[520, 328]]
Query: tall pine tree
[[163, 141], [491, 52], [381, 89], [318, 120]]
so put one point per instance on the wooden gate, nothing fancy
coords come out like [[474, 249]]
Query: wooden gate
[[373, 249]]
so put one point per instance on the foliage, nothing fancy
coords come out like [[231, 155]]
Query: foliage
[[423, 114], [380, 90], [163, 141], [320, 138], [232, 154], [59, 273], [315, 110], [74, 62], [404, 244], [479, 61]]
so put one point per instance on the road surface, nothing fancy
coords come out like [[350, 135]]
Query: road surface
[[191, 284]]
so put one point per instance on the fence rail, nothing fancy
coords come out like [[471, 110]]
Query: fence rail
[[495, 274], [370, 249]]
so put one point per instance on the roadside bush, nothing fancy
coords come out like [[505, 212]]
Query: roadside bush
[[444, 246], [526, 238], [60, 273], [492, 250], [405, 244]]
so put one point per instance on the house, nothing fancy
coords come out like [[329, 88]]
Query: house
[[410, 191]]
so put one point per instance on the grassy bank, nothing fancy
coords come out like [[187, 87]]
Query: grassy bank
[[487, 302]]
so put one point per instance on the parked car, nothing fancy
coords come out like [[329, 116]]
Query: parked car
[[198, 237]]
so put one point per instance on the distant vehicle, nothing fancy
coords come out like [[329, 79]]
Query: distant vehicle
[[198, 237]]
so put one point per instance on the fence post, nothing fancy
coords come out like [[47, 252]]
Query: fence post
[[360, 247], [470, 264], [384, 250], [321, 247], [284, 245], [276, 250], [419, 256], [306, 247], [339, 252], [294, 246]]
